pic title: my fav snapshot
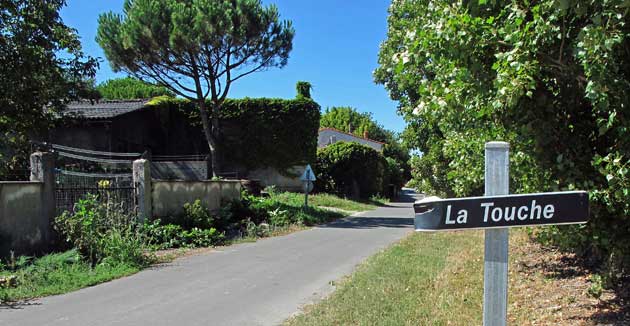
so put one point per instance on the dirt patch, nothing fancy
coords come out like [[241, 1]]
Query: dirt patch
[[549, 287]]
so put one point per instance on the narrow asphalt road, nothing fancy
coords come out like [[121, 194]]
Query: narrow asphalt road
[[260, 283]]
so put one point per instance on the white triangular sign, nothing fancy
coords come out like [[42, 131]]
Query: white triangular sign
[[308, 174]]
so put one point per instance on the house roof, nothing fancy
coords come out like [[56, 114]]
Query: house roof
[[102, 109], [353, 135]]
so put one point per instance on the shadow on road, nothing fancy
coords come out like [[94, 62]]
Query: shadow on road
[[370, 223]]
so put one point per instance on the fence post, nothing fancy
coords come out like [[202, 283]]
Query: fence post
[[495, 291], [142, 187], [43, 170]]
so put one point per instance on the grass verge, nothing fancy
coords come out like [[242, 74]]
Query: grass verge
[[437, 279], [332, 201], [426, 279], [56, 274]]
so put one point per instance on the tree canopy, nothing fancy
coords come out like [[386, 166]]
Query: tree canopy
[[352, 121], [550, 77], [196, 49], [130, 88], [41, 67]]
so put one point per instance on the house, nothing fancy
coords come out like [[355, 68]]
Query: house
[[127, 126], [329, 136]]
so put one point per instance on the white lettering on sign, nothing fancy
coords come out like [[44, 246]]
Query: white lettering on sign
[[492, 213], [462, 216]]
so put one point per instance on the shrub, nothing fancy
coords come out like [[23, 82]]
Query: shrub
[[174, 236], [102, 231], [351, 169]]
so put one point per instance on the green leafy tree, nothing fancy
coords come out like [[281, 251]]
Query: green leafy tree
[[130, 88], [41, 68], [551, 77], [350, 120], [196, 49]]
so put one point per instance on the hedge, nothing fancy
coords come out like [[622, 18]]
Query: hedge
[[260, 132], [351, 169]]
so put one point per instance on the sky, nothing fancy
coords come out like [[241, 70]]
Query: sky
[[335, 49]]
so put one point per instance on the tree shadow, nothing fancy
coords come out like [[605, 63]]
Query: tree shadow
[[370, 223], [18, 305]]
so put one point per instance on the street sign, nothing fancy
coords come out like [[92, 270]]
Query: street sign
[[308, 174], [434, 214]]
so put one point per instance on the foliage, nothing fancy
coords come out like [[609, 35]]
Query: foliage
[[351, 169], [303, 89], [549, 77], [166, 236], [130, 88], [264, 132], [58, 273], [196, 49], [350, 120], [102, 232], [42, 66]]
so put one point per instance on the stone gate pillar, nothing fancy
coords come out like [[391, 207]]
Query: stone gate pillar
[[142, 185], [43, 170]]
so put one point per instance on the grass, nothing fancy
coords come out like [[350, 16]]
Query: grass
[[330, 201], [58, 273], [437, 279], [426, 279]]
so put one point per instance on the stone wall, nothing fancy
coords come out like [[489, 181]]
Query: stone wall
[[168, 197], [289, 181], [24, 218]]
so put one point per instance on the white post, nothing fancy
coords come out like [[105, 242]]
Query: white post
[[495, 272], [142, 185]]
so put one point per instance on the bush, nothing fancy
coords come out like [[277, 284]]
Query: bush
[[102, 231], [351, 169], [174, 236]]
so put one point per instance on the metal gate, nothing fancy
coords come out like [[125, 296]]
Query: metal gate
[[107, 175]]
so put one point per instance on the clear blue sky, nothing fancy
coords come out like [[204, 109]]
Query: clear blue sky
[[335, 48]]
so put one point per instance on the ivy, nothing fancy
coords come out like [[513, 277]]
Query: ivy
[[261, 132]]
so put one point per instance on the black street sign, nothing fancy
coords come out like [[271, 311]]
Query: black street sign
[[568, 207]]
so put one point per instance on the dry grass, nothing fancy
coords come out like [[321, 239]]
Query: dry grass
[[437, 279]]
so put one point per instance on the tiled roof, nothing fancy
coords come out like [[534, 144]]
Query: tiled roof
[[102, 109], [353, 135]]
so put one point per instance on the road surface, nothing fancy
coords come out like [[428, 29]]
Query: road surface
[[261, 283]]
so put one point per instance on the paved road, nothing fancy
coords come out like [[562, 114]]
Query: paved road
[[260, 283]]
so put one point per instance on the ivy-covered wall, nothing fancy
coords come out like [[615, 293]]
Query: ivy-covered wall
[[258, 132]]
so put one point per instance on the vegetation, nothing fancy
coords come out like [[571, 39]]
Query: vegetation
[[55, 274], [351, 169], [102, 232], [361, 124], [549, 77], [279, 133], [437, 279], [130, 88], [426, 279], [42, 67], [196, 49]]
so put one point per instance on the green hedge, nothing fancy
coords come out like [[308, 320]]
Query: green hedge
[[351, 169], [261, 132]]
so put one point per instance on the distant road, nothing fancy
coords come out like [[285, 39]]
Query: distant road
[[260, 283]]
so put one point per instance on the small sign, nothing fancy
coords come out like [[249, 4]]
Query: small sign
[[308, 174], [434, 214]]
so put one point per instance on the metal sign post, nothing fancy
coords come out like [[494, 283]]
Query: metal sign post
[[495, 271], [495, 213], [307, 177]]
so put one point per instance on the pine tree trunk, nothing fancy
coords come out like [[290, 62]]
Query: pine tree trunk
[[210, 131]]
